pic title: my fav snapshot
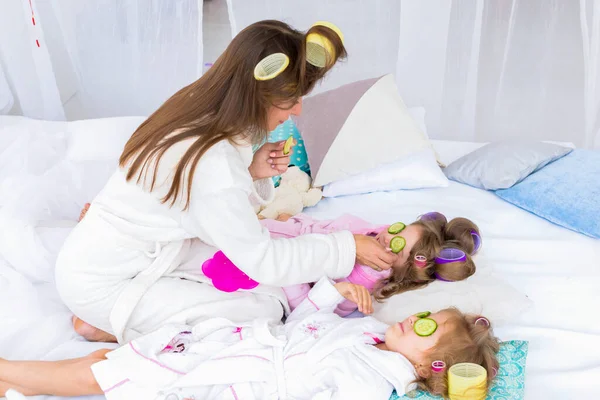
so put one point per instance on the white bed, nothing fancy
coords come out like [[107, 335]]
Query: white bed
[[558, 269]]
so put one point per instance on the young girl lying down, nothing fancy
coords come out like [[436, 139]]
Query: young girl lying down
[[315, 355], [428, 249]]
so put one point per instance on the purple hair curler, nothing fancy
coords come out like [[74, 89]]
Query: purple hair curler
[[450, 255], [476, 242], [447, 256], [439, 278], [433, 216]]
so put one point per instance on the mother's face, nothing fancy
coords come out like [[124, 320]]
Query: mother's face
[[277, 115]]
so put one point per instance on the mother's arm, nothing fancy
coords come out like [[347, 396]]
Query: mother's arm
[[221, 214]]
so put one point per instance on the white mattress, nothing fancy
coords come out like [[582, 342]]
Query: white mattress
[[558, 269]]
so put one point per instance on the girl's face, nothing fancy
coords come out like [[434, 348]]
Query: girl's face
[[412, 234], [401, 337], [277, 115]]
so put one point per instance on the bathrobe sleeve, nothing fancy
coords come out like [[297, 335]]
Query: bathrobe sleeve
[[221, 214], [322, 297]]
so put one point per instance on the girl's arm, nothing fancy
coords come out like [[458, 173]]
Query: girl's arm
[[325, 295]]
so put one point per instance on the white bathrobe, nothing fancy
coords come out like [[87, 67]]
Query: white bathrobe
[[315, 355], [121, 268]]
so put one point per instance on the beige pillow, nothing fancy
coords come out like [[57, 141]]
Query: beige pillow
[[357, 127], [481, 294]]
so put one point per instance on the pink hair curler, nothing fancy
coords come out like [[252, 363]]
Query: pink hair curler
[[420, 261], [486, 322], [438, 366]]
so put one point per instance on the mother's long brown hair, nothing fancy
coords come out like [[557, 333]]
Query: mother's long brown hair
[[226, 103]]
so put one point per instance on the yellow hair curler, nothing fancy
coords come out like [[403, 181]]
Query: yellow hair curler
[[271, 66], [467, 381], [318, 48]]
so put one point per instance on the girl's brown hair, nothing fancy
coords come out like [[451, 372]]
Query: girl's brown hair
[[435, 236], [464, 342], [226, 103]]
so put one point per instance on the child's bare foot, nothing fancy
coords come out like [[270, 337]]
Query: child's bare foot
[[91, 333], [84, 211]]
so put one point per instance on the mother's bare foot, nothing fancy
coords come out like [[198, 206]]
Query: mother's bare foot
[[92, 333], [84, 211]]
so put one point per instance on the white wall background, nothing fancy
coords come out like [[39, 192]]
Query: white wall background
[[484, 69]]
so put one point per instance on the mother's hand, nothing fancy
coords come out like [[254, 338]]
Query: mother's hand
[[269, 161], [371, 253]]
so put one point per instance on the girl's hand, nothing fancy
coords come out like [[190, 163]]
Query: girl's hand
[[269, 161], [357, 294], [371, 253]]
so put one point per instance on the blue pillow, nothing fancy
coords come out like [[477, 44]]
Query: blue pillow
[[566, 192], [299, 157], [510, 381]]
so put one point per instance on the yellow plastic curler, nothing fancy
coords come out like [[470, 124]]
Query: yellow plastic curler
[[318, 47], [467, 381], [271, 66]]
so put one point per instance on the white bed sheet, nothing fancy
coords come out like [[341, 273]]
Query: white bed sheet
[[558, 269]]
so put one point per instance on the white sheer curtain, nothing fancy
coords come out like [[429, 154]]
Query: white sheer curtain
[[6, 97], [98, 58], [370, 30], [491, 70]]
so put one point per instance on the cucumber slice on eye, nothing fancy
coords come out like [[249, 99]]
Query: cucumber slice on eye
[[397, 244], [423, 314], [425, 327], [396, 228], [287, 146]]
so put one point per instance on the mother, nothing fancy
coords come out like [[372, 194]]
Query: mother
[[187, 185]]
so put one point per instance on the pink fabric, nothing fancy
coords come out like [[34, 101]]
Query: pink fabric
[[303, 224]]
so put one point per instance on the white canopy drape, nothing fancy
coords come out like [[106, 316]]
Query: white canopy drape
[[484, 70], [98, 58]]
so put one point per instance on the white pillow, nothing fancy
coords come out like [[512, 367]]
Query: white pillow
[[357, 127], [27, 147], [100, 139], [418, 170], [482, 294], [41, 211]]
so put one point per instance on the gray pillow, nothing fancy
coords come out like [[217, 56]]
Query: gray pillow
[[500, 165]]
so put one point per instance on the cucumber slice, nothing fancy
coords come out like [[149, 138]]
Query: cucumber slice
[[397, 244], [425, 327], [287, 146], [423, 314], [396, 228]]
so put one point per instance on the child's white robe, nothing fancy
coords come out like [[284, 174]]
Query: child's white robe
[[315, 355]]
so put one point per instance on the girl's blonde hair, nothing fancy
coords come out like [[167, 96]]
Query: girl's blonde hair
[[226, 103], [465, 341], [436, 235]]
